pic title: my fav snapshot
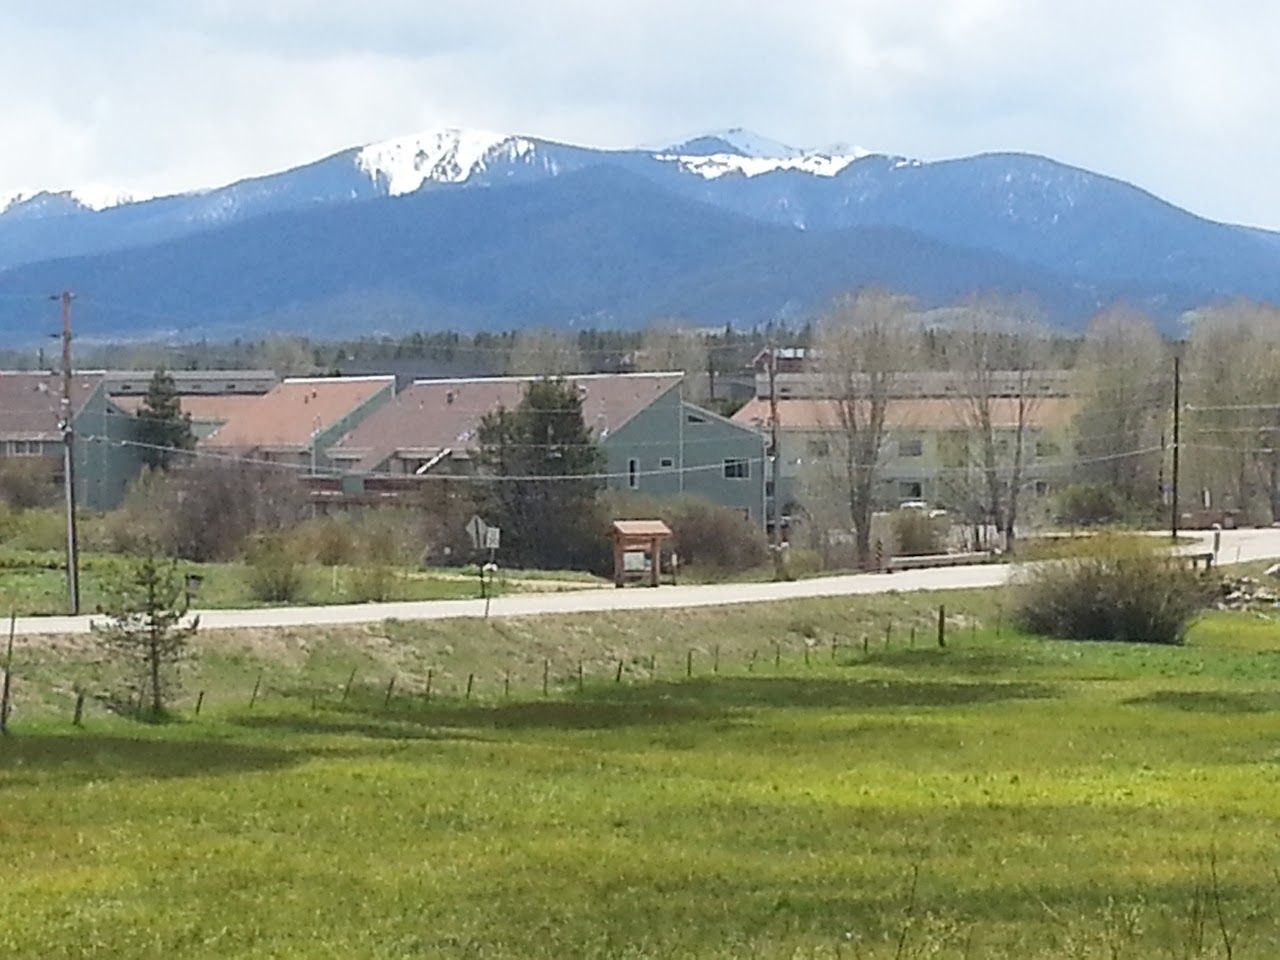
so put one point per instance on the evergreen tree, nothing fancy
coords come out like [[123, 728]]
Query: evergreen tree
[[147, 632], [163, 426], [547, 508]]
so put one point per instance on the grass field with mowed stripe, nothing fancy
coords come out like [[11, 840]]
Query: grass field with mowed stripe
[[1002, 797]]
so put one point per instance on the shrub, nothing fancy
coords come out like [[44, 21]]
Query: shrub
[[373, 583], [28, 482], [329, 541], [704, 534], [42, 529], [273, 572], [1087, 504], [213, 508], [1110, 588]]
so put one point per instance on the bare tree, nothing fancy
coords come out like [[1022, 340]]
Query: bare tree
[[1123, 377], [1232, 426], [545, 353], [997, 354], [864, 343], [667, 346]]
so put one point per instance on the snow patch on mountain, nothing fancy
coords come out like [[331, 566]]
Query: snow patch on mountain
[[439, 156], [93, 197], [716, 165]]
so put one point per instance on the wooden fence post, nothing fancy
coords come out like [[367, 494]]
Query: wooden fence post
[[617, 678], [79, 712], [942, 625], [8, 672], [546, 675], [430, 676], [386, 701], [346, 691], [471, 679], [580, 676], [200, 702], [688, 664], [257, 685]]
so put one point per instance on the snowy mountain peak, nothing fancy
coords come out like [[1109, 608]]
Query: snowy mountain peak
[[447, 155], [736, 141]]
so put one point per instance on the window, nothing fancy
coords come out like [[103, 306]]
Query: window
[[1047, 448], [768, 488], [818, 449], [633, 473], [911, 490], [666, 463], [1042, 488], [911, 448], [737, 468], [25, 448]]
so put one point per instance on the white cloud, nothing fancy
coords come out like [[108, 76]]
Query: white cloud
[[1171, 95]]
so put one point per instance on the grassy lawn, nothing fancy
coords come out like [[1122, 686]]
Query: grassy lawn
[[1001, 797], [34, 582]]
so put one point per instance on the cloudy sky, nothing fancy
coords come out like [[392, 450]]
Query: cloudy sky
[[1178, 96]]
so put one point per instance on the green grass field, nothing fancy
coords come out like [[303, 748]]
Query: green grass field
[[34, 582], [1002, 797]]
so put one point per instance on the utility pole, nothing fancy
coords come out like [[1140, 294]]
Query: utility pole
[[69, 457], [775, 526], [1177, 428]]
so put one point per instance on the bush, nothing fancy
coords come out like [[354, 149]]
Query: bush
[[1089, 504], [373, 583], [43, 529], [704, 534], [1111, 588], [273, 572], [28, 482]]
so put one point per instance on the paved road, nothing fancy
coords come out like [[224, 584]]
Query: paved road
[[1237, 546]]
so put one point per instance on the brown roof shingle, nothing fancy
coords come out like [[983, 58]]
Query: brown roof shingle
[[291, 413], [203, 407], [31, 403], [436, 415]]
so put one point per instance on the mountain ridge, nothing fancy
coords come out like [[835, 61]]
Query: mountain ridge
[[1022, 222]]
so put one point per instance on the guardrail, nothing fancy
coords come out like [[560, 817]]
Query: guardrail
[[935, 560]]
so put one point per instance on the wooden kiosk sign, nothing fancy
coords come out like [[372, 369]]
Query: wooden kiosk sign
[[637, 550]]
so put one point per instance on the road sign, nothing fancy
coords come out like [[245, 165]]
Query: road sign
[[476, 530], [492, 538]]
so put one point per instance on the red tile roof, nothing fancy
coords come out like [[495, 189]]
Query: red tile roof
[[294, 410], [436, 415], [31, 403]]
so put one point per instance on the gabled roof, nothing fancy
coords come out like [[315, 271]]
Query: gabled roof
[[294, 411], [31, 403], [204, 408], [435, 415], [927, 413]]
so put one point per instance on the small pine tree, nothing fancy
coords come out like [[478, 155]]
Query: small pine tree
[[146, 632], [163, 426]]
